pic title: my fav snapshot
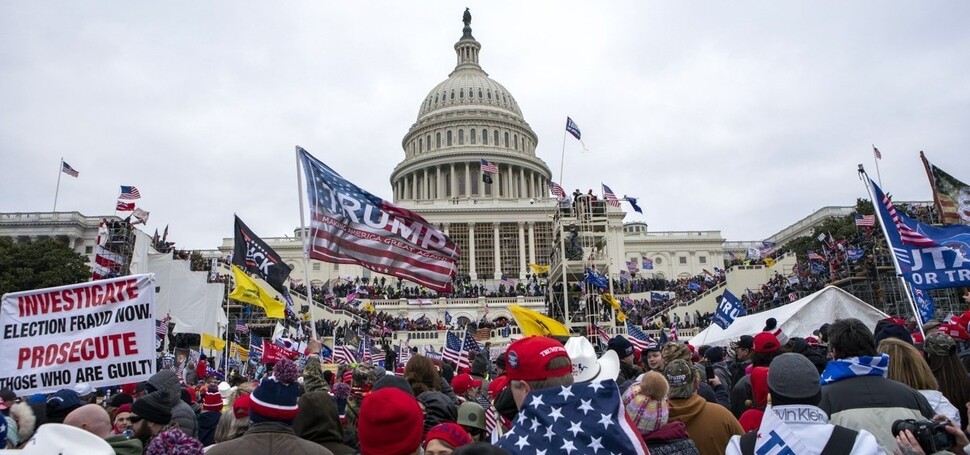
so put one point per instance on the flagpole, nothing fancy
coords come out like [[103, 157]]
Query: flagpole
[[306, 240], [892, 253], [57, 189], [562, 160]]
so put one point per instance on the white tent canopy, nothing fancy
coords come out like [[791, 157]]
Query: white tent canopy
[[797, 319]]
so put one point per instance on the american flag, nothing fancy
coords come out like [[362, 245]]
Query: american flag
[[129, 192], [489, 167], [556, 190], [453, 351], [161, 326], [470, 343], [673, 332], [241, 327], [344, 354], [598, 331], [876, 153], [578, 419], [906, 234], [67, 169], [509, 281], [363, 229], [377, 354], [573, 128], [107, 264], [491, 419], [865, 220], [813, 256], [610, 196], [638, 337]]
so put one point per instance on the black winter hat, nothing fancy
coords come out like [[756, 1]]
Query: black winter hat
[[154, 407]]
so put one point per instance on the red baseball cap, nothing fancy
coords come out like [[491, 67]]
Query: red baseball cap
[[497, 385], [463, 382], [766, 342], [528, 358]]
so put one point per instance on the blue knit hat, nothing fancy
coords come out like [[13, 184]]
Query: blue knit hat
[[276, 397]]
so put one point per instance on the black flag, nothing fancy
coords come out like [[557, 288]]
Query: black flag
[[487, 178], [253, 254]]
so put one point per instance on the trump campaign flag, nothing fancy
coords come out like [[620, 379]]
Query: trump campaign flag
[[728, 309], [100, 332], [351, 226]]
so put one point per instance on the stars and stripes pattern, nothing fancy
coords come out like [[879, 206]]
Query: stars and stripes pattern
[[453, 351], [876, 153], [67, 169], [241, 327], [489, 167], [470, 343], [579, 419], [123, 206], [129, 192], [557, 190], [673, 332], [506, 280], [161, 326], [813, 256], [344, 354], [865, 220], [351, 226], [597, 331], [255, 347], [638, 337], [610, 196], [907, 235], [491, 419]]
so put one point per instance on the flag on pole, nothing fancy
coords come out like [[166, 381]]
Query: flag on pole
[[129, 192], [67, 169], [141, 215], [123, 206], [647, 264], [241, 328], [876, 153], [573, 129], [557, 190], [633, 203], [489, 167], [728, 309], [247, 291], [213, 342], [454, 351], [253, 254], [865, 220], [950, 194], [610, 196], [638, 337], [351, 226]]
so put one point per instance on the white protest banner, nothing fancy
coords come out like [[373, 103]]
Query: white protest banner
[[100, 332]]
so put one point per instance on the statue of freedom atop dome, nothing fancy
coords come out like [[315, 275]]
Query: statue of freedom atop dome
[[467, 18]]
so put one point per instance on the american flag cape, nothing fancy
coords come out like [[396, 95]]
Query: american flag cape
[[351, 226], [580, 419], [610, 196]]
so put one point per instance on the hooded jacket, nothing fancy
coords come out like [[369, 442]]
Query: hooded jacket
[[318, 421], [181, 412], [710, 425], [26, 420], [438, 409], [268, 437], [122, 445], [671, 439]]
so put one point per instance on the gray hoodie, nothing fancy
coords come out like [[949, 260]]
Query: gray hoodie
[[181, 412]]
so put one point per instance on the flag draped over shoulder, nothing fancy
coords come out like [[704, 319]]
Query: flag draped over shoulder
[[248, 291], [952, 196], [351, 226], [253, 254], [929, 257]]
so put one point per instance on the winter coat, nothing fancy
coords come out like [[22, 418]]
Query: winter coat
[[319, 422], [710, 425], [208, 421], [438, 409], [268, 438], [628, 372], [181, 412], [122, 445], [741, 395], [671, 439], [26, 417], [943, 406], [816, 356]]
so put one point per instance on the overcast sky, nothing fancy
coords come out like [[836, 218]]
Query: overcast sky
[[742, 117]]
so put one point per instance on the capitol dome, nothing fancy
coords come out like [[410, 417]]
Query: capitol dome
[[463, 120]]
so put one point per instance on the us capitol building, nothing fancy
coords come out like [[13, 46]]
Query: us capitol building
[[500, 227]]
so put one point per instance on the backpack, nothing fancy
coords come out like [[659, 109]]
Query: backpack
[[840, 441]]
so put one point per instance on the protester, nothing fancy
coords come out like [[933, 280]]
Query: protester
[[95, 419], [751, 418], [715, 358], [151, 414], [273, 407], [466, 387], [122, 420], [211, 413], [586, 367], [235, 422], [181, 412], [624, 351], [60, 404], [318, 421], [907, 365], [471, 417], [796, 424], [710, 425], [648, 407], [390, 423], [444, 438], [438, 408], [651, 358], [766, 347], [855, 391], [941, 356], [743, 350]]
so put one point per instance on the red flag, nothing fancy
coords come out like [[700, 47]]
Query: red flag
[[273, 353], [125, 206]]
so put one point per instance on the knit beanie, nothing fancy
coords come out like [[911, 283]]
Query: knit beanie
[[154, 407], [793, 379], [646, 402], [276, 397], [119, 399], [893, 331], [390, 423], [449, 432], [174, 442], [211, 399]]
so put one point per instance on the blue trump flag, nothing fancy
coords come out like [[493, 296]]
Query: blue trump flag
[[924, 303], [929, 257], [694, 286], [728, 309], [594, 278]]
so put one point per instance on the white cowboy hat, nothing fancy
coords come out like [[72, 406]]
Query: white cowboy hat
[[586, 367]]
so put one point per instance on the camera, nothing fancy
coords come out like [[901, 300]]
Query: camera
[[932, 436]]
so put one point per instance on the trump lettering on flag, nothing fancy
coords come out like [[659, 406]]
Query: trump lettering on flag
[[351, 226]]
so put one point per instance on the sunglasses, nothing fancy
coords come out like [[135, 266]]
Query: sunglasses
[[135, 419]]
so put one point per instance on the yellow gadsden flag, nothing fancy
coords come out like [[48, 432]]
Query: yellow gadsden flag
[[769, 262], [539, 269], [247, 291], [534, 323], [212, 342]]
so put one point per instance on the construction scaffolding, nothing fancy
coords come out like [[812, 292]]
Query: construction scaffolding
[[119, 246], [580, 246]]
